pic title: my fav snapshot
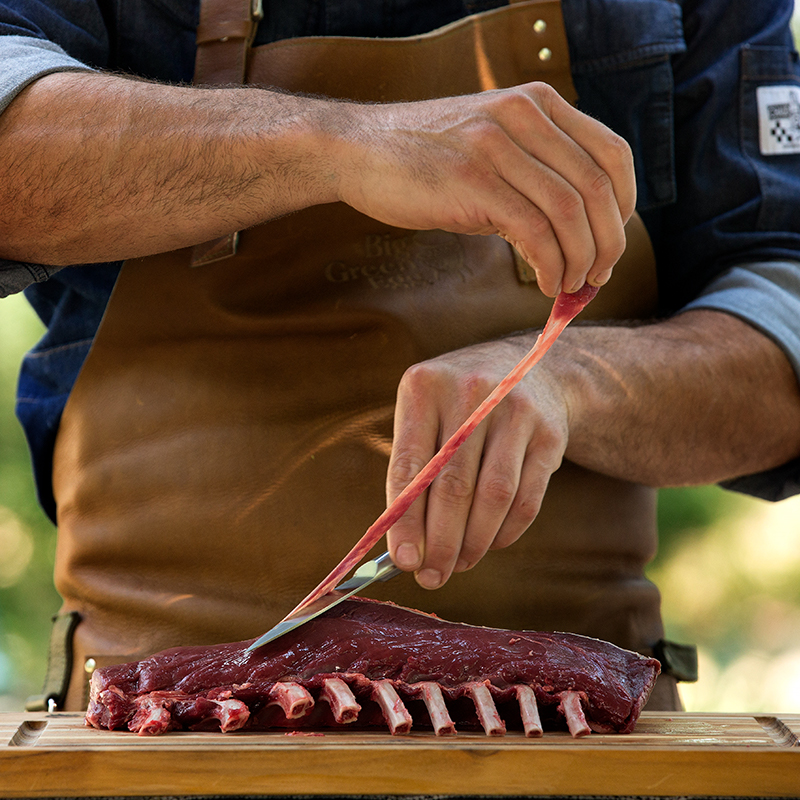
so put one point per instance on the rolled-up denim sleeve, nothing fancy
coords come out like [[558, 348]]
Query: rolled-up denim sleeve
[[18, 275], [730, 241], [766, 295], [37, 39], [23, 59]]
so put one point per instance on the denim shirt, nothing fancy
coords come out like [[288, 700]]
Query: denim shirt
[[678, 80]]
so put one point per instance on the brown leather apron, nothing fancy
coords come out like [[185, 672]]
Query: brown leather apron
[[227, 440]]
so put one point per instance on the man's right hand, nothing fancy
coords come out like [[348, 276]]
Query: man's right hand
[[519, 162]]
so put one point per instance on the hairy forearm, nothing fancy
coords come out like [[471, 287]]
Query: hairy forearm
[[98, 167], [696, 399], [692, 400]]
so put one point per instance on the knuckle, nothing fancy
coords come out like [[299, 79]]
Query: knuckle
[[524, 511], [498, 491], [402, 469], [600, 184], [538, 226], [520, 404], [475, 387], [549, 447], [417, 378], [470, 555], [440, 550], [612, 249], [487, 139], [454, 487], [621, 150], [569, 205], [544, 93], [514, 102], [469, 387]]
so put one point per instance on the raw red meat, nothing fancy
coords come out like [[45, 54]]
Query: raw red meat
[[367, 663]]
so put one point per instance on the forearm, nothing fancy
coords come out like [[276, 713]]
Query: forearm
[[99, 168], [696, 399], [692, 400]]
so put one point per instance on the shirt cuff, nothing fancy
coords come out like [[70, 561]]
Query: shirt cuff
[[766, 294], [16, 276], [23, 59]]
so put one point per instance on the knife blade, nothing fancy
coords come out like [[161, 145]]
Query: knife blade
[[379, 569]]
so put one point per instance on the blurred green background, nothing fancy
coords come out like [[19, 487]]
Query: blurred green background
[[728, 569], [27, 539]]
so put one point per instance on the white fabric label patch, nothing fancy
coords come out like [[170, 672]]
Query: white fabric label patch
[[778, 120]]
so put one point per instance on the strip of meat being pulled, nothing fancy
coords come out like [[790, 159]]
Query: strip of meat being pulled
[[366, 663], [565, 308]]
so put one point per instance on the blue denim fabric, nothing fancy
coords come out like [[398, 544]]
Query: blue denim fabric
[[677, 80]]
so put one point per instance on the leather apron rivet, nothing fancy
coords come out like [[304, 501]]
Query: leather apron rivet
[[540, 26], [545, 54]]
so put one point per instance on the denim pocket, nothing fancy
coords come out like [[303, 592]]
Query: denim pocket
[[769, 79]]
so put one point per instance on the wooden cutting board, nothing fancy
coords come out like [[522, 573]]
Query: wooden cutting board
[[677, 754]]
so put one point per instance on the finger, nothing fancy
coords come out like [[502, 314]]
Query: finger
[[415, 441], [543, 457], [609, 150], [497, 487], [449, 502], [564, 208], [572, 189]]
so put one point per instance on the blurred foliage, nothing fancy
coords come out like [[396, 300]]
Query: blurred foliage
[[731, 584], [27, 538]]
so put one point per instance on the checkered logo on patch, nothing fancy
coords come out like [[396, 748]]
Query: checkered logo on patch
[[778, 120]]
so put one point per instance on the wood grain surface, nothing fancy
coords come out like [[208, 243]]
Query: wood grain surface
[[668, 755]]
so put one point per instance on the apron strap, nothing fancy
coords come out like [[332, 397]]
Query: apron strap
[[224, 35]]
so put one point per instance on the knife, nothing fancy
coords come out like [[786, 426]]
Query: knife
[[379, 569]]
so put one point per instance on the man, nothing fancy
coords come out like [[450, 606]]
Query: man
[[707, 395]]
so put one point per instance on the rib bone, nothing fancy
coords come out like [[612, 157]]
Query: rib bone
[[342, 701], [529, 711], [152, 717], [294, 699], [485, 707], [231, 713], [570, 707], [434, 702], [394, 711]]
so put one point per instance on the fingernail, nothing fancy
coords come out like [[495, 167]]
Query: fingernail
[[429, 578], [462, 565], [575, 287], [601, 278], [407, 555]]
